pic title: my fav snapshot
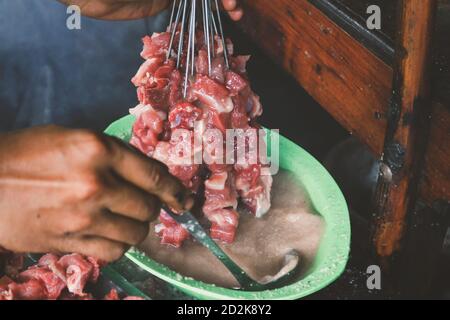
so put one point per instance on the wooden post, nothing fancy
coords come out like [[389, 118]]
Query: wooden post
[[407, 130]]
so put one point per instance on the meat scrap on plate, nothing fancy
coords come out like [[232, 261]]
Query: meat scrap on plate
[[52, 278], [221, 100]]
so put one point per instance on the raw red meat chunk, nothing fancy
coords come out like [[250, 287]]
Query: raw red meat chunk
[[52, 278], [171, 128], [114, 295], [169, 231]]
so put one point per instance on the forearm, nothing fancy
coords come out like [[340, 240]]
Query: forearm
[[118, 10], [136, 9]]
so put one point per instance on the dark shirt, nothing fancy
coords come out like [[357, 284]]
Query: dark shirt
[[76, 78]]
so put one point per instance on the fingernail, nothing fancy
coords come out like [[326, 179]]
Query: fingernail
[[189, 203], [186, 200]]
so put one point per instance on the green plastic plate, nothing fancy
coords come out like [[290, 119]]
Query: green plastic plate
[[327, 200]]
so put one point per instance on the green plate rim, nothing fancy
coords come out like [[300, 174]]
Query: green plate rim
[[122, 282], [334, 248]]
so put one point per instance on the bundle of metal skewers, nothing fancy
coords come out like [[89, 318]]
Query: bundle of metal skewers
[[185, 18]]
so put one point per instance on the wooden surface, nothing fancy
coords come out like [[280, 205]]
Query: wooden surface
[[349, 81], [408, 126], [436, 179], [334, 68]]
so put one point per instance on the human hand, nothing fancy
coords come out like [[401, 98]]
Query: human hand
[[65, 190]]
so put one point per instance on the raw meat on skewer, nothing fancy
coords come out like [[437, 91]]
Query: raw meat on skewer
[[220, 100]]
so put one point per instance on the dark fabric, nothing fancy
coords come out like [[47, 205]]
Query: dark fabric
[[76, 78]]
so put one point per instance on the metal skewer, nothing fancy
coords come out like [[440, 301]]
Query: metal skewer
[[211, 28], [221, 35], [181, 41], [206, 22], [183, 22], [172, 14], [191, 49], [174, 28], [193, 37]]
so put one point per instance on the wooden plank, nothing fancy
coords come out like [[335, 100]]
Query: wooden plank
[[349, 81], [355, 25], [407, 129], [345, 78], [435, 184]]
